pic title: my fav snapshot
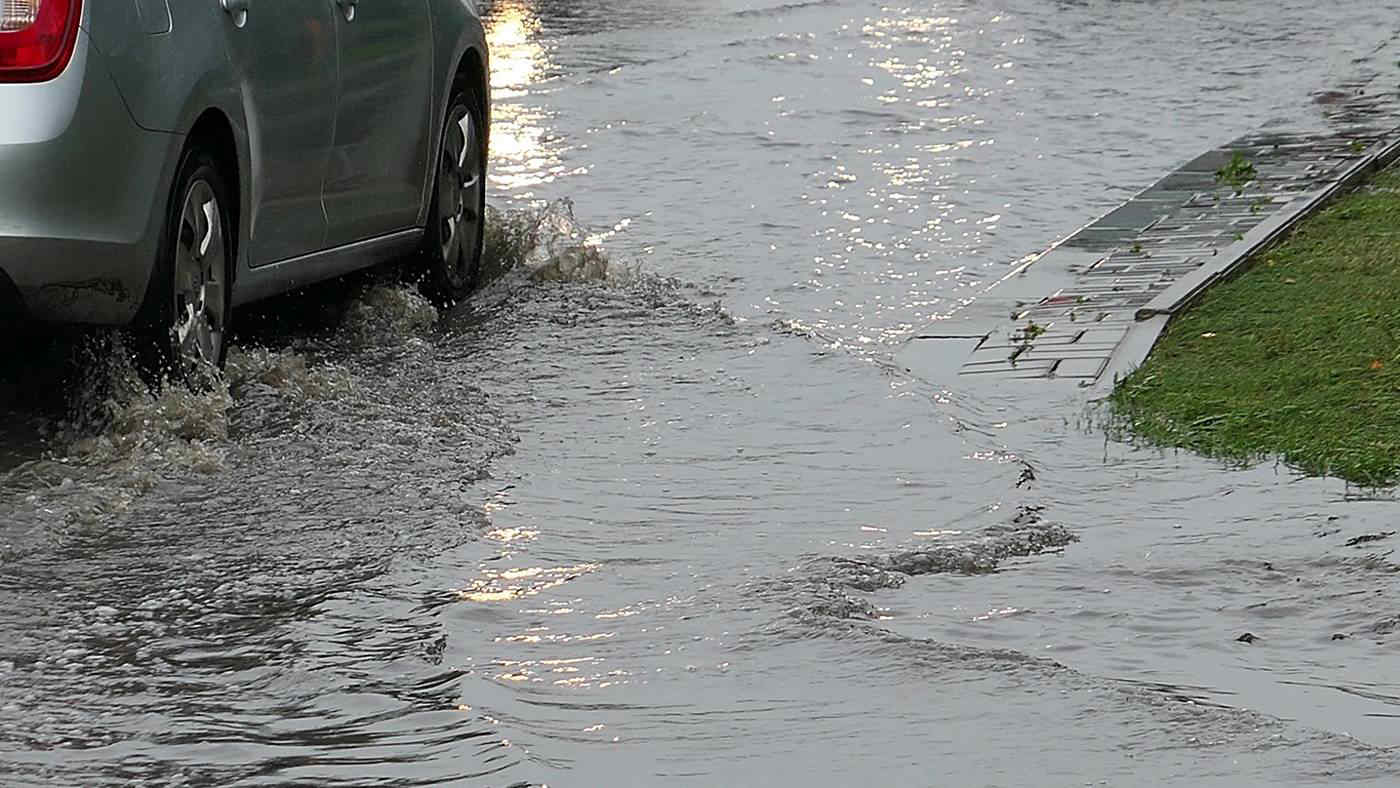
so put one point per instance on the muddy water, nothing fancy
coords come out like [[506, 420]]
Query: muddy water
[[676, 516]]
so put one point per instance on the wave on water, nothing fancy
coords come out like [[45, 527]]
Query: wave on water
[[823, 584], [783, 8], [1025, 536], [827, 597]]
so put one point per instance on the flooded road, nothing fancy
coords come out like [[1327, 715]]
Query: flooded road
[[681, 519]]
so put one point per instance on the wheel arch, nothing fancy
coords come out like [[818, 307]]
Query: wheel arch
[[462, 53], [213, 131], [212, 126], [470, 64], [212, 137], [471, 68]]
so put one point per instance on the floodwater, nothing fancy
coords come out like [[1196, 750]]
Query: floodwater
[[682, 519]]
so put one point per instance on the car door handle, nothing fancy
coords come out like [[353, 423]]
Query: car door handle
[[347, 8], [238, 9]]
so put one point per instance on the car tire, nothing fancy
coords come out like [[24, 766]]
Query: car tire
[[455, 232], [185, 319]]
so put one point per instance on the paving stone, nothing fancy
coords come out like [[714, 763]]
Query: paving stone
[[1210, 161], [993, 356], [937, 359], [1081, 368], [1109, 335], [1188, 180], [1039, 369], [1135, 215], [1064, 353]]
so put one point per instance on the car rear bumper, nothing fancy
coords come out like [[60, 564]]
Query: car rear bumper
[[80, 197]]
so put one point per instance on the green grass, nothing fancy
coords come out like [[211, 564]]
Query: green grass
[[1237, 172], [1298, 357]]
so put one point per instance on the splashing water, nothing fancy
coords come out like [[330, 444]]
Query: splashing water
[[388, 314], [547, 245], [115, 417], [284, 373], [116, 437]]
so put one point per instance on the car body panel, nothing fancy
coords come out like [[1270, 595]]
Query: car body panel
[[374, 178], [154, 16], [87, 159], [77, 179], [168, 79], [168, 82], [287, 58], [270, 280]]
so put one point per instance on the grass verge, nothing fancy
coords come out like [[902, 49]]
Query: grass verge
[[1298, 357]]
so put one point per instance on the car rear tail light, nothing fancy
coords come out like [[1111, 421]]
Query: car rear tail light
[[17, 14], [37, 38]]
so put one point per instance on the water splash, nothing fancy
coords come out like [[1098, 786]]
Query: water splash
[[115, 417], [388, 314], [547, 244], [284, 373]]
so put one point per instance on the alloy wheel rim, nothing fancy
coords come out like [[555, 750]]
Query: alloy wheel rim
[[200, 276], [458, 200]]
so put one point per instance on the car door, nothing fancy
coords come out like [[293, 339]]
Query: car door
[[379, 159], [285, 54]]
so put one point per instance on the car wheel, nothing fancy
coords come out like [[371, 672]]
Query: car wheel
[[187, 309], [453, 241]]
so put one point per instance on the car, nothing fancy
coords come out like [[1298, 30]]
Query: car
[[164, 163]]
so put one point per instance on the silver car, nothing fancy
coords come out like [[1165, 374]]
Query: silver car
[[163, 162]]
